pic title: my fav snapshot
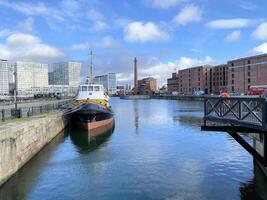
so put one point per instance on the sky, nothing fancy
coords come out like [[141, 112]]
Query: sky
[[164, 35]]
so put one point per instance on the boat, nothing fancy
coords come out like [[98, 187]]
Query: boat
[[91, 109]]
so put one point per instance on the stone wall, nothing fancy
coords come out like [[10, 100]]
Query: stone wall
[[20, 141]]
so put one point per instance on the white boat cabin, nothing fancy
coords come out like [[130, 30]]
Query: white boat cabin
[[91, 91]]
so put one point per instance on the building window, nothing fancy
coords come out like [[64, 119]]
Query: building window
[[232, 69], [249, 80], [233, 76], [248, 61], [249, 67], [233, 88], [248, 73], [233, 82], [232, 64]]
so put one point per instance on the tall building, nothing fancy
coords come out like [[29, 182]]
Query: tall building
[[246, 72], [173, 83], [4, 88], [30, 75], [147, 86], [109, 82], [65, 73], [195, 79], [219, 78]]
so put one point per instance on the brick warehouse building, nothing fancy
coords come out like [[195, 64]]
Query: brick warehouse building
[[219, 78], [173, 83], [195, 79], [237, 76], [246, 72]]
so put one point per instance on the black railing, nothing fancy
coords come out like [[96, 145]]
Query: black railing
[[12, 113], [248, 112]]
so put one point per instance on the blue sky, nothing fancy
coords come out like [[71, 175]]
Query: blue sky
[[165, 35]]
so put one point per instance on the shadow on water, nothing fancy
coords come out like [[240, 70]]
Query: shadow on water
[[85, 143], [21, 183], [256, 188]]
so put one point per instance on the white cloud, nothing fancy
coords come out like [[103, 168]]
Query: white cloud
[[233, 36], [5, 32], [144, 32], [260, 49], [31, 9], [164, 4], [80, 46], [109, 42], [190, 13], [94, 15], [21, 46], [247, 5], [261, 32], [70, 7], [230, 23], [100, 25], [26, 25]]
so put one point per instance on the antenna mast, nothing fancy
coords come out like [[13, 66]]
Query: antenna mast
[[91, 66]]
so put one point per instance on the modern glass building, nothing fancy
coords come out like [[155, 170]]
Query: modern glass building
[[30, 75], [4, 89], [108, 81], [65, 73]]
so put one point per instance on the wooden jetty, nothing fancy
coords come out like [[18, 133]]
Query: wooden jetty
[[238, 116]]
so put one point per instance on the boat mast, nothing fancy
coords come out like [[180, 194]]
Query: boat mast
[[91, 66]]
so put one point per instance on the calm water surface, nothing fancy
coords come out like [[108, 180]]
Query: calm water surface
[[156, 151]]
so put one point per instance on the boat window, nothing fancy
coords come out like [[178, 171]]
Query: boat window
[[90, 88], [84, 88], [97, 88]]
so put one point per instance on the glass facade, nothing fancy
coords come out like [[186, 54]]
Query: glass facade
[[109, 82], [65, 73], [31, 75]]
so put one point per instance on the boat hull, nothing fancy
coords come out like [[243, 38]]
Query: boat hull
[[98, 127], [94, 118]]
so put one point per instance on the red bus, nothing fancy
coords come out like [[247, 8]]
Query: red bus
[[257, 90]]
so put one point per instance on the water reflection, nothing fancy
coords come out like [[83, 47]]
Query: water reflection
[[22, 182], [188, 120], [136, 116], [86, 143]]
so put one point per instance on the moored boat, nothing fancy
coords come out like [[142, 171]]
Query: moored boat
[[92, 111]]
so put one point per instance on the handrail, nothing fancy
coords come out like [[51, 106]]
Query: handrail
[[239, 111]]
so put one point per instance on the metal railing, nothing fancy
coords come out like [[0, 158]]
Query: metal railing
[[12, 113], [248, 112]]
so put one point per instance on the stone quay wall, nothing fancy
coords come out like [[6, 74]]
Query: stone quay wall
[[20, 141]]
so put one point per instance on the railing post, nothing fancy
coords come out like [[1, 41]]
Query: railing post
[[3, 115], [205, 110], [220, 103], [239, 109], [264, 150], [264, 113], [20, 113]]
